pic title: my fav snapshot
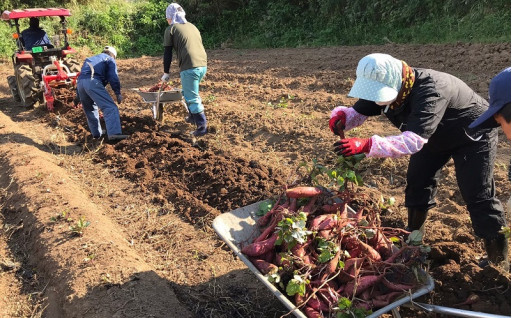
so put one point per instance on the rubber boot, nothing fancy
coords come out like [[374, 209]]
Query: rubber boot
[[201, 123], [497, 249], [117, 137], [416, 219]]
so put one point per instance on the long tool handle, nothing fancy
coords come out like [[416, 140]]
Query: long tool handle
[[455, 311]]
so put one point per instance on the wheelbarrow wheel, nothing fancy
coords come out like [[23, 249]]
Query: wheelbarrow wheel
[[160, 112]]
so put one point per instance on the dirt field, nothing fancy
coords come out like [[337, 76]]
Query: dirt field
[[149, 250]]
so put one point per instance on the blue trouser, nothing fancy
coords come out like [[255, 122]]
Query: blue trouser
[[93, 95], [190, 80]]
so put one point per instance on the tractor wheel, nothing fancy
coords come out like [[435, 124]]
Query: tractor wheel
[[72, 64], [27, 87], [11, 80]]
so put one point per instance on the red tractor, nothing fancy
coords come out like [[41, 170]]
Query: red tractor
[[43, 74]]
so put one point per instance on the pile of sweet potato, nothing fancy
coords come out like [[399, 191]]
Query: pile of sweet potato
[[331, 262], [155, 88]]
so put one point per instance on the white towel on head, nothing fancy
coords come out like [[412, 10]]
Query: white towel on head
[[175, 12]]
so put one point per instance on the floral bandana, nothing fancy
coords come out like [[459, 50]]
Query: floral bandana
[[407, 83], [176, 13]]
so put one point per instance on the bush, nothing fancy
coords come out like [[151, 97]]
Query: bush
[[136, 27]]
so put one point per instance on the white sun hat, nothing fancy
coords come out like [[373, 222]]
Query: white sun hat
[[379, 78], [112, 50]]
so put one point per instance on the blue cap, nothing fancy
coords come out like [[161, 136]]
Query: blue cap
[[499, 95], [379, 78]]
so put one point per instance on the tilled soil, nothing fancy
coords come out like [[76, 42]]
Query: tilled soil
[[151, 198]]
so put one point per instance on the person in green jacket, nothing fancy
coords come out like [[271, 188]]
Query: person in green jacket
[[185, 39]]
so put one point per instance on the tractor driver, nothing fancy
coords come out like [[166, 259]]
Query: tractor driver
[[34, 35]]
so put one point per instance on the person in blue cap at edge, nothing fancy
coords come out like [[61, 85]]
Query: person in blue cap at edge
[[98, 71], [498, 112], [432, 110], [186, 40]]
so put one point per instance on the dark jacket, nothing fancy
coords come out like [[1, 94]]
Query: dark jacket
[[439, 108], [32, 37]]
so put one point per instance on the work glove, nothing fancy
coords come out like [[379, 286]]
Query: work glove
[[119, 98], [337, 123], [166, 77], [352, 146]]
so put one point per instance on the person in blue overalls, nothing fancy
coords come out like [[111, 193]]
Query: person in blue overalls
[[34, 35], [96, 73]]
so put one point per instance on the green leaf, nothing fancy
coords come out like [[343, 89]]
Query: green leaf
[[324, 256], [296, 285], [344, 303], [361, 312], [394, 239], [415, 238], [264, 207]]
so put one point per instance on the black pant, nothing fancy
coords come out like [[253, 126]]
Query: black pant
[[474, 165]]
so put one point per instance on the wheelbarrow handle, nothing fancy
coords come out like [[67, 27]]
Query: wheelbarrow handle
[[455, 311]]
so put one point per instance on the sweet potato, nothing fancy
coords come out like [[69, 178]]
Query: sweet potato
[[317, 304], [299, 250], [359, 215], [269, 256], [260, 248], [332, 264], [335, 207], [293, 205], [270, 229], [370, 252], [382, 244], [365, 295], [300, 299], [396, 286], [264, 267], [361, 284], [382, 300], [351, 244], [326, 234], [389, 297], [472, 298], [378, 303], [352, 266], [395, 255], [329, 295], [262, 221], [312, 313], [328, 224], [315, 224], [309, 208], [303, 192]]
